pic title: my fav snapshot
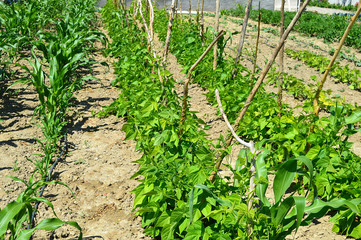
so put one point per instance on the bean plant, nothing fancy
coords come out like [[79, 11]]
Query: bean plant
[[175, 197]]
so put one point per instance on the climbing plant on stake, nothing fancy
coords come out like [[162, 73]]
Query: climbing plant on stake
[[243, 34], [256, 87], [150, 38], [184, 104], [170, 25], [316, 107]]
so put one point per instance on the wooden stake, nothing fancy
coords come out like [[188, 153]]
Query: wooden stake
[[197, 10], [184, 105], [190, 10], [257, 42], [316, 107], [150, 39], [216, 28], [202, 23], [170, 25], [257, 85], [243, 34], [180, 9], [281, 57]]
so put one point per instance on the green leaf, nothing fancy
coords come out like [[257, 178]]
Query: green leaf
[[313, 152], [284, 178], [353, 118], [8, 213], [220, 201], [261, 172], [282, 210], [300, 209], [158, 139]]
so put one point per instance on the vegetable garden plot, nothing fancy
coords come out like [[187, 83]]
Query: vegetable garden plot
[[150, 192], [304, 157]]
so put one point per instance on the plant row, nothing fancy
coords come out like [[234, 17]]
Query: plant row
[[326, 4], [330, 28], [288, 132], [175, 197], [64, 44], [340, 73]]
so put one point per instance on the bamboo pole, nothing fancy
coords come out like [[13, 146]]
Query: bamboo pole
[[316, 106], [151, 18], [170, 25], [185, 96], [249, 145], [281, 58], [216, 28], [256, 87], [243, 35]]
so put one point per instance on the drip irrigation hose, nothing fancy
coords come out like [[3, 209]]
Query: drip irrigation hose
[[65, 147]]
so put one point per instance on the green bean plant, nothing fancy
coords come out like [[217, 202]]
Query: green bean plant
[[175, 197], [334, 162], [319, 62]]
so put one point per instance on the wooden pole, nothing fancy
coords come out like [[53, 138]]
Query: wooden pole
[[257, 85], [316, 106], [257, 42], [216, 28], [170, 25], [281, 57], [202, 23], [150, 40], [243, 35], [185, 95]]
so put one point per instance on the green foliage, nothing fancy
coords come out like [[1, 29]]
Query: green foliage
[[63, 32], [289, 135], [18, 213], [175, 198], [326, 4], [330, 28], [319, 62]]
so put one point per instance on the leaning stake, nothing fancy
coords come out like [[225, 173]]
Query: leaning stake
[[316, 106], [269, 64], [184, 105], [256, 87]]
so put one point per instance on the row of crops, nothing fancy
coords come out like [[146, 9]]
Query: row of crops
[[58, 37], [329, 28], [178, 197], [306, 160]]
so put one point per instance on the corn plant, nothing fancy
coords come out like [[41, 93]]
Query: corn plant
[[18, 213]]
